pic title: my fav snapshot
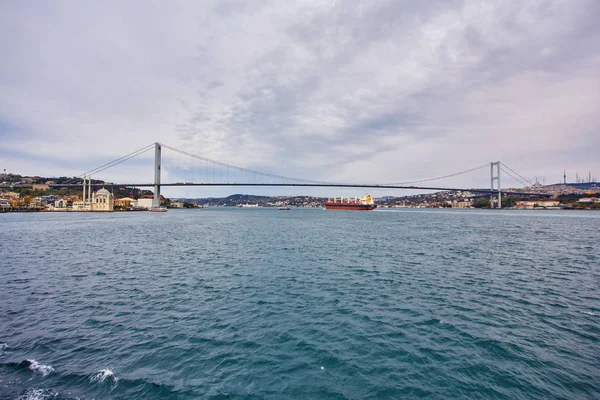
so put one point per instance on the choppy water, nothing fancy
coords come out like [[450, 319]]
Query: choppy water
[[267, 304]]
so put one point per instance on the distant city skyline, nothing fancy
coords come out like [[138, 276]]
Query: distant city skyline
[[339, 91]]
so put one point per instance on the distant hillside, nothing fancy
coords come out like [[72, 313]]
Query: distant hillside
[[16, 180], [586, 185], [240, 199], [236, 199]]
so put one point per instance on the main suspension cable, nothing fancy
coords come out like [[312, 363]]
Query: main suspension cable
[[118, 160], [440, 177], [522, 177], [514, 177], [241, 169]]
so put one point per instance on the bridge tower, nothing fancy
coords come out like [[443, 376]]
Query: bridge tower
[[157, 161], [493, 178]]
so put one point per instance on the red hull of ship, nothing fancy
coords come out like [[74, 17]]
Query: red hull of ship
[[349, 206]]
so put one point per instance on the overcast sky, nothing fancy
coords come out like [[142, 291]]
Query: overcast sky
[[371, 91]]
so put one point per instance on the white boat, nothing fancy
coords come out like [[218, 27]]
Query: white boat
[[284, 208], [158, 209]]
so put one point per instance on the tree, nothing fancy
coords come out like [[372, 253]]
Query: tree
[[510, 201], [481, 203]]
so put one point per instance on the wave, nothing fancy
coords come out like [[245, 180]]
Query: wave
[[103, 375], [3, 346], [37, 367], [97, 384], [38, 394]]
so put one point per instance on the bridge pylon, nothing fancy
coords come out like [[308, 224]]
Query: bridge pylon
[[493, 178], [157, 167]]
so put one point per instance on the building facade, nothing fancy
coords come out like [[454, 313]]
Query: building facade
[[144, 203], [102, 200], [125, 202]]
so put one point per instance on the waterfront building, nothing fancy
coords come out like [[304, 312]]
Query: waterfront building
[[4, 204], [124, 202], [530, 205], [177, 204], [460, 204], [102, 200], [61, 204], [144, 203], [81, 206]]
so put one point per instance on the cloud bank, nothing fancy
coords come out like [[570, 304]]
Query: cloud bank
[[385, 91]]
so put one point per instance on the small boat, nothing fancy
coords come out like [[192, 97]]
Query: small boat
[[158, 209], [284, 208]]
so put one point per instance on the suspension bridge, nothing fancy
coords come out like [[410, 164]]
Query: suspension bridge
[[202, 171]]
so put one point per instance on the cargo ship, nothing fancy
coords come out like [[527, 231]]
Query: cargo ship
[[357, 204]]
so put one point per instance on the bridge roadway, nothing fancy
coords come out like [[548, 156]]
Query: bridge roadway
[[330, 185]]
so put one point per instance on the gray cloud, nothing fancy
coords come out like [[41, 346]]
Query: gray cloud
[[385, 91]]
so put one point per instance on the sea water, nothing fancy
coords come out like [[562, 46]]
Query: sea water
[[228, 303]]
